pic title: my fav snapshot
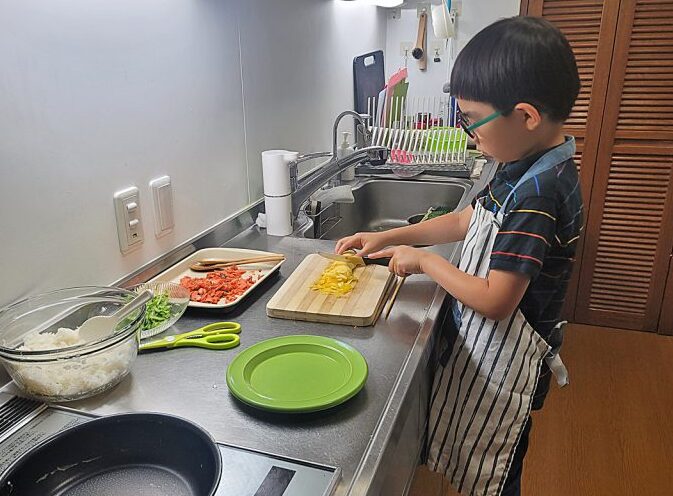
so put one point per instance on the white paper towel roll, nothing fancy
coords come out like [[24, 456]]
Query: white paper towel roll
[[278, 215], [276, 173]]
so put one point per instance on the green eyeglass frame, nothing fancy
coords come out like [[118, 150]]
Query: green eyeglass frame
[[469, 129]]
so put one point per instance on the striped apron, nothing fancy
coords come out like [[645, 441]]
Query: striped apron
[[482, 395]]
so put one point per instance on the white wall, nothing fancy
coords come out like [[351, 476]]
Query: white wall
[[98, 95], [476, 15], [297, 71]]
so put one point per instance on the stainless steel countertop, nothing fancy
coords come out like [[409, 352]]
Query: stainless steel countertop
[[191, 382]]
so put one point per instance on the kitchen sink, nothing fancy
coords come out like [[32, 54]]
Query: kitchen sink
[[382, 204]]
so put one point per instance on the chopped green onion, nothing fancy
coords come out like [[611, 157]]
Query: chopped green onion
[[157, 311]]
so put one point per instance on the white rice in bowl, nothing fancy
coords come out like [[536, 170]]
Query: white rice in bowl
[[72, 377]]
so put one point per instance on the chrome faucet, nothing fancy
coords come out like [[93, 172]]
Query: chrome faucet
[[303, 188]]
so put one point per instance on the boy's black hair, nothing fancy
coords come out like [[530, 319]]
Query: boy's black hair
[[519, 59]]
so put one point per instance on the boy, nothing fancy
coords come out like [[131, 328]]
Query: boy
[[515, 82]]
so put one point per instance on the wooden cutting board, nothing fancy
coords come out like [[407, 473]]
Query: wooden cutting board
[[297, 301]]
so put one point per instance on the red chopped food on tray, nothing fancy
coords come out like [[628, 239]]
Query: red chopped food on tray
[[227, 284]]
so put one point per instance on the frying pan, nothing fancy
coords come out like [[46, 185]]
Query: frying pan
[[139, 454]]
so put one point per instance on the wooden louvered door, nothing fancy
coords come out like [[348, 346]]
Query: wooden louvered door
[[589, 26], [666, 319], [629, 233]]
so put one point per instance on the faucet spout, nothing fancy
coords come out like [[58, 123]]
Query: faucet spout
[[314, 181], [303, 188], [335, 130]]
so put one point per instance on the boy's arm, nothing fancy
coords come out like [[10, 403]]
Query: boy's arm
[[495, 297], [442, 229]]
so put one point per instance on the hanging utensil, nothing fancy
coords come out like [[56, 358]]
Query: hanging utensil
[[419, 51]]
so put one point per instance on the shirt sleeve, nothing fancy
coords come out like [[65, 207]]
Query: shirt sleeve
[[525, 236]]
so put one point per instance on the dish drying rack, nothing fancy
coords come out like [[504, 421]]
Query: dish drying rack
[[422, 134]]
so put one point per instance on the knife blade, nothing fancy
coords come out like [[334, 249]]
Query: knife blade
[[356, 260]]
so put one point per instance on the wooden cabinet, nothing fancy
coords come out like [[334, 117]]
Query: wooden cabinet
[[624, 51]]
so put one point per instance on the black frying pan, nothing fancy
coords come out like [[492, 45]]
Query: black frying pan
[[138, 454]]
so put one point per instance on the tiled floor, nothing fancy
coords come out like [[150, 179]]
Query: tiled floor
[[610, 432]]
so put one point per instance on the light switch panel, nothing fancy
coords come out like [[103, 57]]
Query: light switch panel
[[162, 198], [129, 221]]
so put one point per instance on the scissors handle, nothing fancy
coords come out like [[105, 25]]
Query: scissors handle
[[214, 328], [210, 329], [219, 341]]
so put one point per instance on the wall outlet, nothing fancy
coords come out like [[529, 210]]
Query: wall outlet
[[406, 47], [395, 14], [129, 221]]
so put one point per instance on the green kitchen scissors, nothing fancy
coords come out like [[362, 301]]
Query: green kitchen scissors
[[216, 336]]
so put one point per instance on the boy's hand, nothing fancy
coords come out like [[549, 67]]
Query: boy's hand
[[405, 260], [365, 242]]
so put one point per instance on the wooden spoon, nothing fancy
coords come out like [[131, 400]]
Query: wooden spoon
[[419, 52], [213, 264]]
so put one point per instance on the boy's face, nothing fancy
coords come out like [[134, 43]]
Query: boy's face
[[506, 138]]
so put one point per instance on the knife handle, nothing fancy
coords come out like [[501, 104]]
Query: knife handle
[[377, 261]]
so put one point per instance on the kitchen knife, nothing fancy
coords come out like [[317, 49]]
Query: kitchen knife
[[357, 260]]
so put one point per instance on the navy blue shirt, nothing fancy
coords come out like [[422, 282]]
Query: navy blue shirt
[[538, 236]]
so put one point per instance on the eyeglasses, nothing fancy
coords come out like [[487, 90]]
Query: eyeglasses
[[469, 128]]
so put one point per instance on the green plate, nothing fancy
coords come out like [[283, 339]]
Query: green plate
[[297, 374]]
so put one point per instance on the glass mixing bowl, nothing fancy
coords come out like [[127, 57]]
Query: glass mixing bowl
[[48, 360]]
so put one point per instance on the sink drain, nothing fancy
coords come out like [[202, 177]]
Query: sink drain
[[415, 219]]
